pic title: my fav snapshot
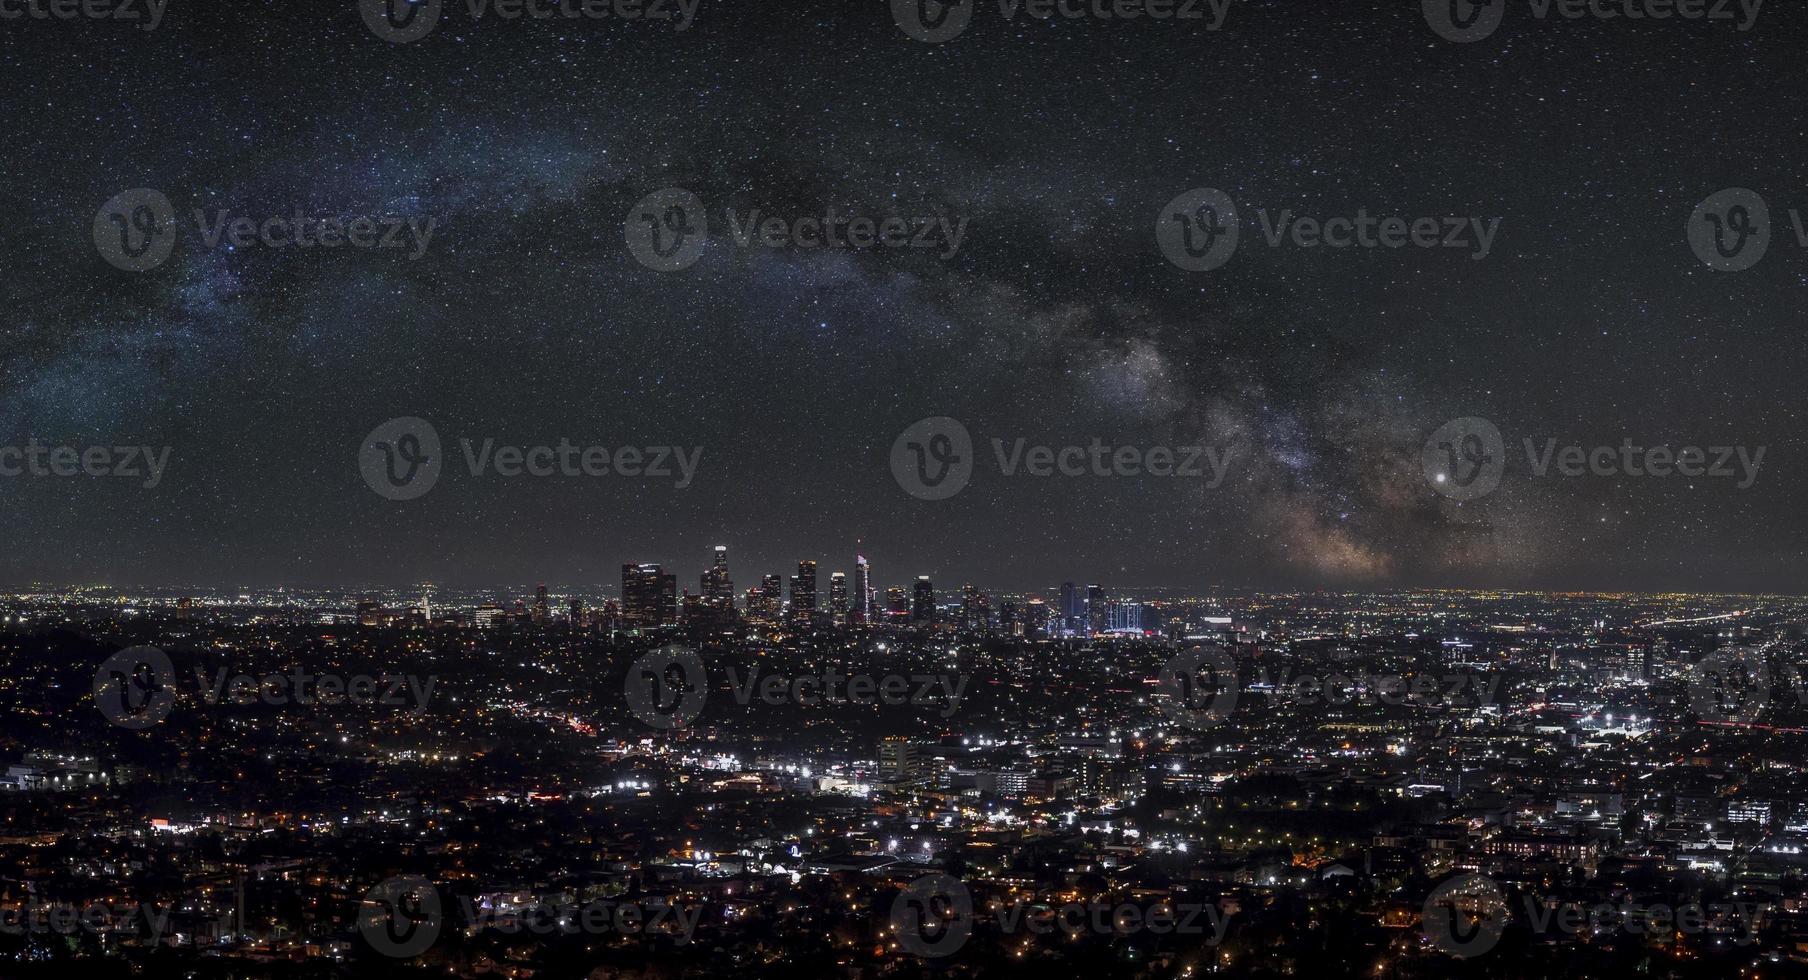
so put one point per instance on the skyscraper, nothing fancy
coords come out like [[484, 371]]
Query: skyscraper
[[1095, 609], [541, 611], [838, 597], [897, 606], [803, 591], [976, 609], [770, 596], [862, 609], [922, 608], [649, 596], [1069, 608], [717, 586]]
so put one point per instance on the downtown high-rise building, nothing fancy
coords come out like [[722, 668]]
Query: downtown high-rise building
[[838, 597], [922, 606], [862, 610], [541, 610], [803, 591], [1068, 608], [1095, 609], [765, 600], [976, 609], [649, 596], [717, 586]]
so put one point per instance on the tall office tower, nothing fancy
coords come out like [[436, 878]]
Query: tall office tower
[[649, 596], [1070, 608], [541, 611], [717, 586], [838, 597], [922, 606], [863, 591], [976, 609], [803, 591], [1035, 619], [896, 605], [1095, 609], [577, 613], [1007, 619], [772, 597]]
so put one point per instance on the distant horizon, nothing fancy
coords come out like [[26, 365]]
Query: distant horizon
[[950, 585]]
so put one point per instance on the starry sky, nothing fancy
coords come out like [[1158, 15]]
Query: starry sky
[[1059, 320]]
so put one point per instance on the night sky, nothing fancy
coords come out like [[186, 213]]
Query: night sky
[[527, 319]]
